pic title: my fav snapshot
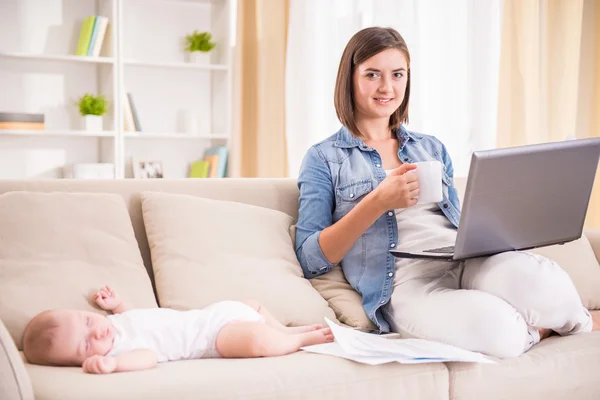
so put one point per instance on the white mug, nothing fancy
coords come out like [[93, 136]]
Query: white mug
[[429, 175]]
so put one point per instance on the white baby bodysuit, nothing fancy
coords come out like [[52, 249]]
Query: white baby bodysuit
[[177, 335]]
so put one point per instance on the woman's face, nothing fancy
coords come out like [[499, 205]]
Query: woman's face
[[379, 85]]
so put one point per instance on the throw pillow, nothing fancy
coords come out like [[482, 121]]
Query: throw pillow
[[578, 260], [57, 249], [205, 250], [342, 298]]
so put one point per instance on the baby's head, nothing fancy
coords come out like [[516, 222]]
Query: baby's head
[[67, 337]]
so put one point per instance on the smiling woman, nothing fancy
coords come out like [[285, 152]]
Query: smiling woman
[[358, 200]]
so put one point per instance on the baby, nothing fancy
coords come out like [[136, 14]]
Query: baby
[[131, 340]]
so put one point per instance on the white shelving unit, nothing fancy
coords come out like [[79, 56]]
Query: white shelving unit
[[142, 54]]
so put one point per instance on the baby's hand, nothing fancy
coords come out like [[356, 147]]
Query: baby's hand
[[107, 299], [99, 365]]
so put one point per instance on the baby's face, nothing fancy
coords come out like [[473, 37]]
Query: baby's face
[[82, 334]]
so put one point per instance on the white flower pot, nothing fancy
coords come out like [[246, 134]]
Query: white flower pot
[[92, 122], [199, 57]]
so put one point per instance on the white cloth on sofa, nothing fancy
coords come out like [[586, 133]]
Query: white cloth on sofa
[[174, 334]]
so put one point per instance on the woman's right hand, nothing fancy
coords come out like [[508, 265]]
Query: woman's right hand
[[399, 189]]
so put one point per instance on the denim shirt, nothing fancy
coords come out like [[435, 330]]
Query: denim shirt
[[335, 175]]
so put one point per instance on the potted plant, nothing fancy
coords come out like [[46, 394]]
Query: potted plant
[[198, 45], [92, 108]]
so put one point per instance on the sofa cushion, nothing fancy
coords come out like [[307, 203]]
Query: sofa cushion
[[557, 368], [206, 250], [342, 298], [57, 249], [297, 376], [577, 258]]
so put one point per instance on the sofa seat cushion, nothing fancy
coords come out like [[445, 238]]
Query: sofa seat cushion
[[206, 250], [557, 368], [57, 249], [297, 376]]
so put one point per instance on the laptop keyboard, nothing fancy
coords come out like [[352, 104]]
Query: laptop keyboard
[[447, 249]]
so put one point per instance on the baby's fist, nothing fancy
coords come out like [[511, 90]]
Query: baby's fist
[[107, 299], [99, 365]]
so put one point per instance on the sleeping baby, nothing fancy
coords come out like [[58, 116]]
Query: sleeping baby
[[135, 339]]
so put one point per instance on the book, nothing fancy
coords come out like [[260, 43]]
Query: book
[[213, 162], [34, 126], [98, 34], [221, 165], [199, 169], [20, 117], [128, 114], [136, 119], [93, 37], [85, 35]]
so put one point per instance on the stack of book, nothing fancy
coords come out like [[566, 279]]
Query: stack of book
[[91, 36], [213, 165], [22, 121]]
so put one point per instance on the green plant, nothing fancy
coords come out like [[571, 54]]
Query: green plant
[[199, 41], [92, 105]]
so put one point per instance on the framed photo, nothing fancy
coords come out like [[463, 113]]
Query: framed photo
[[147, 169]]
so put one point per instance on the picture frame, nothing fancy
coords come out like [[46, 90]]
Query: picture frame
[[143, 169]]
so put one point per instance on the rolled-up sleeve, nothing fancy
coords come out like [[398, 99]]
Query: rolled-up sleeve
[[315, 212]]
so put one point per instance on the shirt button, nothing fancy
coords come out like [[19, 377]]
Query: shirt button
[[445, 205], [390, 213], [393, 245], [390, 274], [406, 159], [382, 301], [351, 195], [378, 165]]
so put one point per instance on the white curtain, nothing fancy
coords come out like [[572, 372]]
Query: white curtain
[[455, 52]]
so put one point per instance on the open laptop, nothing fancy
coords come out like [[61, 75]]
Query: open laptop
[[520, 198]]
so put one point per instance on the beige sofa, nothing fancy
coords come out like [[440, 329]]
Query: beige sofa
[[204, 240]]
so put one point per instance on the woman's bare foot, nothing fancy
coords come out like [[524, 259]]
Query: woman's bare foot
[[320, 336], [290, 330], [595, 320]]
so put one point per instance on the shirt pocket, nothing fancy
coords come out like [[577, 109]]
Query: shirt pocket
[[348, 195]]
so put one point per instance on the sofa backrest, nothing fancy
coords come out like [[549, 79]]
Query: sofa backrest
[[277, 193]]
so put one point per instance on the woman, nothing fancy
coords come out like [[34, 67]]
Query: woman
[[357, 202]]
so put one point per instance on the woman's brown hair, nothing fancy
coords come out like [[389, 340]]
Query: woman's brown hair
[[362, 46]]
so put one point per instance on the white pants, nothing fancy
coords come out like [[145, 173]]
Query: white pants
[[488, 304]]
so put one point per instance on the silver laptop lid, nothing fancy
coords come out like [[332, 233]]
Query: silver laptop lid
[[525, 197]]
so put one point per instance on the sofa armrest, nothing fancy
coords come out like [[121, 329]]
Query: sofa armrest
[[14, 381], [593, 235]]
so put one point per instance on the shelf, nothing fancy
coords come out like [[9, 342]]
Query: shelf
[[212, 67], [193, 3], [55, 132], [174, 135], [63, 58]]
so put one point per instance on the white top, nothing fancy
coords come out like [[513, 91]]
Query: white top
[[422, 225], [175, 334], [171, 334]]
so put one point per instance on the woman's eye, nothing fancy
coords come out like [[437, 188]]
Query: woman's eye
[[398, 75], [371, 75]]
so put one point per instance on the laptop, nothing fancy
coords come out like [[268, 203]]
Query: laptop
[[520, 198]]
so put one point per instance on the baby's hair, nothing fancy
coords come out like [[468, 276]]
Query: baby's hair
[[39, 338]]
